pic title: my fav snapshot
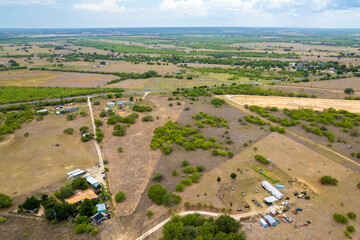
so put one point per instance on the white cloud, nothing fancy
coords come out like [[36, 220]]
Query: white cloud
[[27, 2], [104, 5], [185, 7]]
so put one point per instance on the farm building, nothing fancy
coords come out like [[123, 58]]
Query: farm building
[[99, 217], [110, 104], [101, 207], [120, 103], [75, 173], [263, 223], [70, 109], [272, 189], [130, 103], [81, 196], [92, 181]]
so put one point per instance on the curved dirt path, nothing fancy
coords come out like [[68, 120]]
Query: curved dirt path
[[160, 225]]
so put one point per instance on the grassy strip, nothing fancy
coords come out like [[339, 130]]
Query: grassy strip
[[257, 169]]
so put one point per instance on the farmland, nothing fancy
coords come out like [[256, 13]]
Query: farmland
[[180, 120]]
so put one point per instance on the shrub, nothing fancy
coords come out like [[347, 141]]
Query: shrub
[[149, 214], [233, 175], [230, 154], [186, 182], [350, 228], [94, 232], [358, 185], [174, 173], [195, 177], [171, 199], [190, 169], [71, 117], [338, 217], [347, 234], [354, 132], [69, 131], [180, 187], [348, 90], [217, 102], [156, 193], [328, 180], [187, 204], [351, 215], [120, 149], [25, 234], [96, 103], [178, 103], [261, 159], [147, 118], [84, 129], [185, 163], [200, 168], [158, 177], [120, 197], [2, 219]]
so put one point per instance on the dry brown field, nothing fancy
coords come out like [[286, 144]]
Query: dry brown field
[[335, 84], [34, 162]]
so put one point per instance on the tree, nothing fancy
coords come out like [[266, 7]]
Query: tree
[[66, 191], [185, 163], [218, 179], [5, 200], [350, 228], [348, 90], [71, 117], [31, 203], [69, 131], [84, 129], [149, 214], [80, 183], [156, 193], [233, 175], [120, 196], [227, 224], [158, 177], [87, 208], [131, 98], [173, 229]]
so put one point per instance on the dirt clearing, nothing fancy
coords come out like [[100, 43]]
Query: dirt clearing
[[295, 103]]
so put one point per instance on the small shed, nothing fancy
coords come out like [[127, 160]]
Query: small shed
[[270, 220], [120, 103], [101, 207], [263, 223]]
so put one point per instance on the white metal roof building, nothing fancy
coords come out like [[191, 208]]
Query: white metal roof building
[[272, 189], [75, 173], [270, 199]]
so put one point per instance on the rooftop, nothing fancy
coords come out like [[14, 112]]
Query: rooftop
[[87, 194]]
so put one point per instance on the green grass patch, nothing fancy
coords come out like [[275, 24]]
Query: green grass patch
[[258, 168]]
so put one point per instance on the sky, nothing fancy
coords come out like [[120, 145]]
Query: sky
[[179, 13]]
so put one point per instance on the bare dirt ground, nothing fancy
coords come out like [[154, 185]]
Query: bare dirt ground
[[335, 84], [33, 162], [238, 133], [130, 170], [291, 160], [52, 79], [295, 103], [39, 229]]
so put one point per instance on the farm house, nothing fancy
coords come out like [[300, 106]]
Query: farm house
[[92, 181], [272, 189]]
